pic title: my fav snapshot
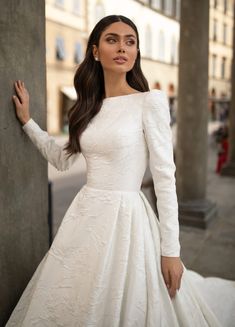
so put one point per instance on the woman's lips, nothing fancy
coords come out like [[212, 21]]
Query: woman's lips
[[120, 60]]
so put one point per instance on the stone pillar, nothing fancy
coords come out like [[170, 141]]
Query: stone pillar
[[23, 171], [229, 168], [192, 115]]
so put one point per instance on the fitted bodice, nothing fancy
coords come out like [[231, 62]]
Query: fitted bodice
[[128, 132], [114, 145]]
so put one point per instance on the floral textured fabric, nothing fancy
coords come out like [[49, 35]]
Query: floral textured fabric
[[103, 268]]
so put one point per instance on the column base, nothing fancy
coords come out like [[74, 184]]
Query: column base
[[197, 213], [228, 169]]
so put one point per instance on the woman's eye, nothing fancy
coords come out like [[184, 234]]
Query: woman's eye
[[111, 40], [130, 42]]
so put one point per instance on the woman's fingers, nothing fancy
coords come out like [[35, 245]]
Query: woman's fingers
[[180, 276], [17, 101], [179, 281], [174, 285], [19, 90], [166, 277], [21, 102], [172, 270], [175, 279], [171, 282]]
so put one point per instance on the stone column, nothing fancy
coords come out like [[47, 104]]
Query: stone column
[[23, 171], [229, 168], [192, 115]]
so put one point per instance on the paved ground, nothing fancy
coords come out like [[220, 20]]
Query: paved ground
[[210, 252]]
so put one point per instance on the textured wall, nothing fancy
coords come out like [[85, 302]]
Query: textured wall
[[23, 172]]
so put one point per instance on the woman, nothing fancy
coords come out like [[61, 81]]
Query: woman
[[112, 263]]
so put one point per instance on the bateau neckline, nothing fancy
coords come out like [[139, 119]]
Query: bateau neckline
[[127, 95]]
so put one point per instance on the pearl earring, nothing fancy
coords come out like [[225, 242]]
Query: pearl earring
[[96, 58]]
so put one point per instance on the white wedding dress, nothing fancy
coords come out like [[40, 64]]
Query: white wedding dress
[[103, 268]]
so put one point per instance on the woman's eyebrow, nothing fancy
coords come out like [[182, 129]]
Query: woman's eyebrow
[[127, 35]]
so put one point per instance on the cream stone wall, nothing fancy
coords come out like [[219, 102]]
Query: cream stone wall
[[220, 48], [66, 21]]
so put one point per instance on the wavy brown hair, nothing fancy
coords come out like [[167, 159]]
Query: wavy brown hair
[[89, 83]]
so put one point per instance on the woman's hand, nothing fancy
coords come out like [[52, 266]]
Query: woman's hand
[[172, 270], [21, 102]]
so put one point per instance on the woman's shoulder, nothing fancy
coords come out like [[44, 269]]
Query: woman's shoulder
[[156, 106], [156, 99], [155, 94]]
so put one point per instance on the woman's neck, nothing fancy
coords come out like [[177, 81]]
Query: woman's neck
[[116, 84]]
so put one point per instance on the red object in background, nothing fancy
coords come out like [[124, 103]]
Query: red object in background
[[222, 155]]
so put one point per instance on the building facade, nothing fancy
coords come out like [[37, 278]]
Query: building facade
[[66, 33], [158, 25], [69, 23], [220, 46]]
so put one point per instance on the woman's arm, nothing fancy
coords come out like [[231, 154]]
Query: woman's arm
[[158, 134], [46, 144]]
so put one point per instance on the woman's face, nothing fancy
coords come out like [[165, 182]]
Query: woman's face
[[117, 49]]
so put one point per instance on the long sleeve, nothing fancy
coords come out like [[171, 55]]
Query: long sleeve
[[48, 147], [158, 134]]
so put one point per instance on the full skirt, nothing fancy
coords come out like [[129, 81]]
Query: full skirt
[[103, 269]]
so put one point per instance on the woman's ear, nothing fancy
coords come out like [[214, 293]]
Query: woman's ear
[[95, 51]]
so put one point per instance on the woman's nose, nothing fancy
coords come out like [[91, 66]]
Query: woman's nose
[[121, 46], [121, 50]]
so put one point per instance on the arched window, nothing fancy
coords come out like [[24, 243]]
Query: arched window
[[60, 48], [76, 6], [99, 11], [78, 53], [59, 3], [168, 7], [148, 41], [173, 50], [177, 9], [224, 33], [214, 65], [215, 29], [156, 4], [161, 46], [223, 67]]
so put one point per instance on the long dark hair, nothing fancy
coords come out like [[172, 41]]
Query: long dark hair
[[89, 83]]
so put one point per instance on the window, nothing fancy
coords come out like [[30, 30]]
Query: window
[[168, 8], [214, 63], [148, 41], [225, 6], [161, 46], [99, 11], [224, 33], [223, 67], [76, 6], [174, 8], [215, 26], [173, 50], [59, 3], [177, 9], [156, 4], [60, 48], [78, 53]]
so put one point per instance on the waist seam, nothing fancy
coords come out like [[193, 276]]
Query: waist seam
[[110, 190]]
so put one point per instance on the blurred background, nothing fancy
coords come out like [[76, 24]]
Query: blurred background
[[69, 23]]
